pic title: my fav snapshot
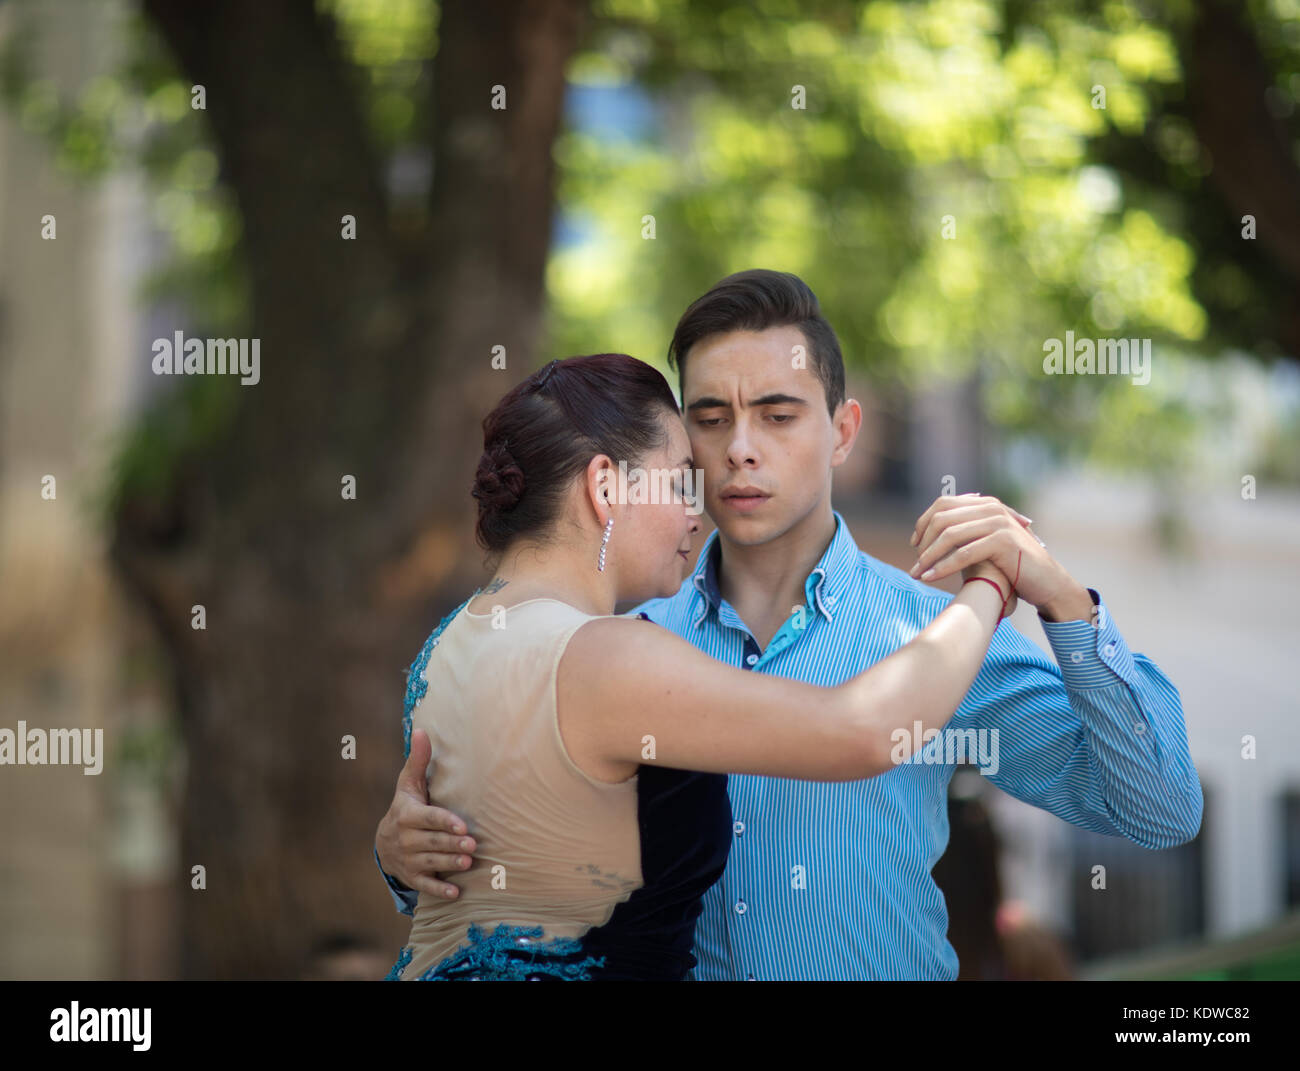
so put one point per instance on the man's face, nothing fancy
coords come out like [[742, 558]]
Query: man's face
[[756, 415]]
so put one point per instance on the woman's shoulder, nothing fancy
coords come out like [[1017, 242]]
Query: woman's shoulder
[[610, 641]]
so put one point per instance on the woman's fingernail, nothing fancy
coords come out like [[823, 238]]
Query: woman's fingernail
[[465, 843], [912, 541], [927, 574], [912, 571]]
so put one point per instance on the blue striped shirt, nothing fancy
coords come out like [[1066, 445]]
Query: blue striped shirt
[[832, 881]]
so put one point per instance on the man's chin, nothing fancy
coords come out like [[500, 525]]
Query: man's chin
[[747, 531]]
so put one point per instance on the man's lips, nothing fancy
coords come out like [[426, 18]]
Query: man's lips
[[744, 501]]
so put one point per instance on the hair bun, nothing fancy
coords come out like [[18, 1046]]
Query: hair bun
[[499, 483]]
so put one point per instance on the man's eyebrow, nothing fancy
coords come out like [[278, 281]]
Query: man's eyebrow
[[767, 399], [706, 403]]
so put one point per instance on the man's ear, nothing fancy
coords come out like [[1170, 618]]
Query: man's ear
[[846, 424]]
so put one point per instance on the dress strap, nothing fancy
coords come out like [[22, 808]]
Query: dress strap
[[416, 685]]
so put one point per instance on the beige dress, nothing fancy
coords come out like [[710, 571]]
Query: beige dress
[[556, 848]]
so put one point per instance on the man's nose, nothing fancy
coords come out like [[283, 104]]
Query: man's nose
[[739, 449]]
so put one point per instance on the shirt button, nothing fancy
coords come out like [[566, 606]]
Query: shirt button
[[1108, 650], [751, 659], [829, 602], [738, 828], [751, 978], [1077, 656], [741, 908], [1139, 728]]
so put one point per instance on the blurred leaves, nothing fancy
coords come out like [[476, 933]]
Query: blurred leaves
[[975, 118], [979, 113]]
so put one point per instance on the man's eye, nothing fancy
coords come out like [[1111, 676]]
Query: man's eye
[[782, 418], [711, 421]]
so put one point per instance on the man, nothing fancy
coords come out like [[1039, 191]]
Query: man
[[832, 881]]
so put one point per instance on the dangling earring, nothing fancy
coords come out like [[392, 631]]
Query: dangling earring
[[608, 526]]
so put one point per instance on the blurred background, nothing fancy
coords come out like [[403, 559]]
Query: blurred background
[[389, 194]]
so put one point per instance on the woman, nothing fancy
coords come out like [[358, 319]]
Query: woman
[[591, 750]]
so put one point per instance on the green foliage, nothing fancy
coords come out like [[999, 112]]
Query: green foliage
[[978, 110], [966, 117]]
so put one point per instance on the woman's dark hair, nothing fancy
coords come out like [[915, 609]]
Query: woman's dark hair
[[545, 432], [755, 300]]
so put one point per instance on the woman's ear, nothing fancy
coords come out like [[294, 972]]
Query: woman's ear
[[600, 473]]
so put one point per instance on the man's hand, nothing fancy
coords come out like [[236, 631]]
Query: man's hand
[[959, 530], [416, 841]]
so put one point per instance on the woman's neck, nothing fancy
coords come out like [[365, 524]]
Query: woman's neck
[[521, 576]]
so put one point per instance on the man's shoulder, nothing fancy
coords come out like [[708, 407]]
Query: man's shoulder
[[896, 580], [668, 609]]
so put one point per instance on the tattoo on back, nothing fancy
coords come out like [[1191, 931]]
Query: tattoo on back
[[493, 587]]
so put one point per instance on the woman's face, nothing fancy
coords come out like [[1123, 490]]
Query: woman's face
[[663, 505]]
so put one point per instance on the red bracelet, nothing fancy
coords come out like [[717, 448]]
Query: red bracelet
[[995, 587], [998, 589]]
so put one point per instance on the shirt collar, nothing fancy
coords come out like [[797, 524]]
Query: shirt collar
[[824, 587]]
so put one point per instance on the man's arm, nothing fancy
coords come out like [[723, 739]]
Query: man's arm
[[404, 898], [416, 841], [1099, 741]]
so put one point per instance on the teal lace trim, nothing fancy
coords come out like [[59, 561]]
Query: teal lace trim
[[416, 685], [510, 954], [403, 958]]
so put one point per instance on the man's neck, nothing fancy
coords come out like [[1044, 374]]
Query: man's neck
[[763, 582]]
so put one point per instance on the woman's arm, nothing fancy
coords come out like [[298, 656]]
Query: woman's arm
[[625, 686]]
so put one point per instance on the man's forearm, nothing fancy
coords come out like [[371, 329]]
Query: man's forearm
[[1135, 733]]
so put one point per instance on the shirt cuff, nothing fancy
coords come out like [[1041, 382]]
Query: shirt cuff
[[403, 897], [1091, 654]]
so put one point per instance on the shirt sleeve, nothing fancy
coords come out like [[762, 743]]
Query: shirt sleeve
[[1097, 737], [403, 897]]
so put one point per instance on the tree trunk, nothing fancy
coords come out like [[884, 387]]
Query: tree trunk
[[375, 363]]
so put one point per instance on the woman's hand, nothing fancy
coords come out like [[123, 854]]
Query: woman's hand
[[988, 571]]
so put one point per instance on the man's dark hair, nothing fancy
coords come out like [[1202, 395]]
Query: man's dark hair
[[755, 300]]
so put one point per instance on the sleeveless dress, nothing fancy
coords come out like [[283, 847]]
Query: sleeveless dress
[[573, 878]]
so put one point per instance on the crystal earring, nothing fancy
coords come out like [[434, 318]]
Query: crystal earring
[[608, 526]]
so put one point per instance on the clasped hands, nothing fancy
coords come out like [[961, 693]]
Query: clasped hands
[[981, 536]]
